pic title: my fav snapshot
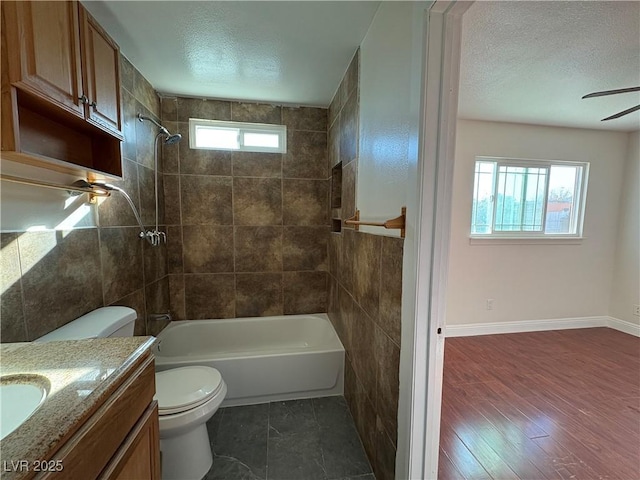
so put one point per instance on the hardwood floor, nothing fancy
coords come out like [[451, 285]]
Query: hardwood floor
[[561, 404]]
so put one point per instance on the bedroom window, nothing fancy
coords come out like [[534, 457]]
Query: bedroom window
[[246, 137], [528, 198]]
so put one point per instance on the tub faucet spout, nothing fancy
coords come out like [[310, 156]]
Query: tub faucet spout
[[158, 317]]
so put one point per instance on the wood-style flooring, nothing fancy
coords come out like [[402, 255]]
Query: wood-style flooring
[[560, 404]]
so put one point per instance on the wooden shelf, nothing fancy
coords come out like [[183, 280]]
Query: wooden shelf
[[63, 143]]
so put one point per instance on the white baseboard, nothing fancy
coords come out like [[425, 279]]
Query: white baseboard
[[624, 326], [534, 326]]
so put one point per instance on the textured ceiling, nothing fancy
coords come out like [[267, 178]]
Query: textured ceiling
[[525, 62], [280, 52], [531, 62]]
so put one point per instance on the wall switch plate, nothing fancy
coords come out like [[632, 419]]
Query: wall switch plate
[[636, 310], [489, 303]]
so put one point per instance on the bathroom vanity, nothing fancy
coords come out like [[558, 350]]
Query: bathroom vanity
[[98, 418]]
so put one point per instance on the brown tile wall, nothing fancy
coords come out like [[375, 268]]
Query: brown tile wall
[[48, 279], [247, 232], [365, 290]]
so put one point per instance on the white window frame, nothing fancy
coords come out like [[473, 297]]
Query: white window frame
[[581, 197], [242, 128]]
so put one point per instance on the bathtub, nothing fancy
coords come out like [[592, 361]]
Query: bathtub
[[261, 359]]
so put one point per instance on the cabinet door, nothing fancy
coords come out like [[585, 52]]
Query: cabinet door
[[101, 60], [43, 49], [139, 456]]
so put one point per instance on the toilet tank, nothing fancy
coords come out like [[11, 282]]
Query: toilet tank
[[102, 322]]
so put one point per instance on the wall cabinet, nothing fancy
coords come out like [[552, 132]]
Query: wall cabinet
[[101, 76], [43, 46], [61, 103]]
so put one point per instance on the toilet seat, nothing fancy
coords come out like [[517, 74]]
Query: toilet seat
[[185, 388]]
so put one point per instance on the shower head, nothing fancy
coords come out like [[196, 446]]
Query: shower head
[[171, 139]]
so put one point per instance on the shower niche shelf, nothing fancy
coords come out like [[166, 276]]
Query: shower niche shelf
[[61, 106], [336, 197]]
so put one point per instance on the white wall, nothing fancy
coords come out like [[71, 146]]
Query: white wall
[[388, 113], [535, 281], [24, 207], [625, 288]]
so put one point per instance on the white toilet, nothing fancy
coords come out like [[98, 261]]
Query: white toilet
[[187, 396]]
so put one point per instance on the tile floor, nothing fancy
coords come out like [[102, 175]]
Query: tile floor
[[312, 439]]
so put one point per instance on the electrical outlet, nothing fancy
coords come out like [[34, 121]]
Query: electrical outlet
[[489, 303], [636, 310]]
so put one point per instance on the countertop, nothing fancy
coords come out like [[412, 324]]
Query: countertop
[[82, 374]]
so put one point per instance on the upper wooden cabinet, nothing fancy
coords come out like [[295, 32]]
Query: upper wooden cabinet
[[43, 43], [60, 88], [101, 75]]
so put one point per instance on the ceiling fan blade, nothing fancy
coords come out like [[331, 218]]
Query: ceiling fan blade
[[622, 113], [612, 92]]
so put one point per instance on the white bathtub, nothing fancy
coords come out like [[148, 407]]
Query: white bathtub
[[261, 359]]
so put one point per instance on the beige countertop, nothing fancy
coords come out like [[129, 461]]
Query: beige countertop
[[81, 376]]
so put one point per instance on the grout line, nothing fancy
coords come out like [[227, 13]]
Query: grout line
[[181, 215], [282, 228], [233, 233], [22, 296], [268, 272], [102, 283], [266, 467], [315, 416]]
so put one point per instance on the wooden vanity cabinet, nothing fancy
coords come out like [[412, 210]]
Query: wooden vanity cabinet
[[136, 458], [61, 106], [120, 440]]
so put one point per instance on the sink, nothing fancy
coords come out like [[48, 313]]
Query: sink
[[20, 396]]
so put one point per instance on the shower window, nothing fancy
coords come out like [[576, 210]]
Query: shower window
[[246, 137]]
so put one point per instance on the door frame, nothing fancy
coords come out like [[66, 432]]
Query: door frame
[[437, 148]]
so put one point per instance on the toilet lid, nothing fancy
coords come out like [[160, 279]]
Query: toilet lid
[[183, 388]]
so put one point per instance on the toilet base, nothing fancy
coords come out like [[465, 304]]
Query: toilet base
[[187, 456]]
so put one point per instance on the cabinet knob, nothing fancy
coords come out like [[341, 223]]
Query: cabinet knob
[[93, 104], [83, 99]]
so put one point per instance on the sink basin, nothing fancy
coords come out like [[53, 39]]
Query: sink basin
[[20, 396]]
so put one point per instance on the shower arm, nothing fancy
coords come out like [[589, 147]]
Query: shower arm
[[162, 129]]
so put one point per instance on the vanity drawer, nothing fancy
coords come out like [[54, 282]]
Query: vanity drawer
[[138, 458]]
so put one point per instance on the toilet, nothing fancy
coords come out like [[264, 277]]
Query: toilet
[[187, 396]]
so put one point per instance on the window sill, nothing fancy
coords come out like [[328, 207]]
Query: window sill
[[473, 240]]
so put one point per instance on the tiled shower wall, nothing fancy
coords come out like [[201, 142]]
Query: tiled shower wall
[[365, 292], [247, 231], [49, 278]]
